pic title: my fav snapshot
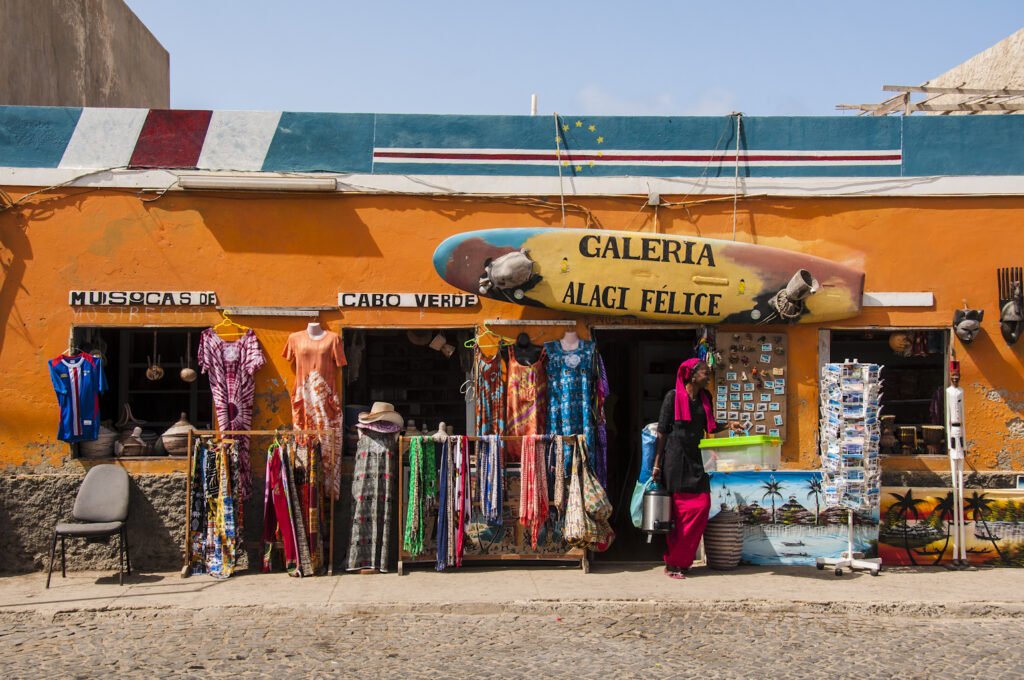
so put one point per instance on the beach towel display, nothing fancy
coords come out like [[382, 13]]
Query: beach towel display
[[213, 530]]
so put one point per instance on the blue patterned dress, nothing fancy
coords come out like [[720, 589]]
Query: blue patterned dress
[[572, 382]]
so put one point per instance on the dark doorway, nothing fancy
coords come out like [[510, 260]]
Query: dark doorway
[[641, 365]]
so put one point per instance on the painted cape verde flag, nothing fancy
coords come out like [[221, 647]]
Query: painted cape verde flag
[[580, 146]]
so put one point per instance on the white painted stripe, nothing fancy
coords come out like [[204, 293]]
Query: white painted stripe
[[898, 299], [104, 138], [238, 140], [648, 152], [523, 185], [607, 161]]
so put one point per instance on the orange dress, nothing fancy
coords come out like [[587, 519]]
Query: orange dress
[[526, 402], [316, 403]]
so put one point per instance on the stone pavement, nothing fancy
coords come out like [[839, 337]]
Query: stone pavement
[[620, 620]]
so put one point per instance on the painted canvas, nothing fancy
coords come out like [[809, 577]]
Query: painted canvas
[[785, 520], [917, 522]]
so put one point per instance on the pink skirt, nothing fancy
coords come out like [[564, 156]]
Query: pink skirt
[[690, 513]]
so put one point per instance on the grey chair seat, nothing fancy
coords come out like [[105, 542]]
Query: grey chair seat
[[90, 529], [101, 511]]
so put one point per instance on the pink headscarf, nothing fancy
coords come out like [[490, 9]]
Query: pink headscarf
[[683, 397]]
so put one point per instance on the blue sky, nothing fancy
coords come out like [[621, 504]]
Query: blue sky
[[593, 58]]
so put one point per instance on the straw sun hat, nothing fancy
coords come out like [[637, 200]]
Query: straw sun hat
[[381, 411]]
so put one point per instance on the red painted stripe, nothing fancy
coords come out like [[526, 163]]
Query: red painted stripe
[[171, 139], [627, 157]]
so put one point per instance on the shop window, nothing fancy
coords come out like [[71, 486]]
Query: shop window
[[913, 397], [129, 355], [421, 372]]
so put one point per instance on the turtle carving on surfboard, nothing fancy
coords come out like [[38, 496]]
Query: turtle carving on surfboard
[[686, 279]]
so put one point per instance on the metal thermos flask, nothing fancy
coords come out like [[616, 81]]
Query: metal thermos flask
[[657, 518]]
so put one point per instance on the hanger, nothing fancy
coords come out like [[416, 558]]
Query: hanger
[[501, 339], [228, 323]]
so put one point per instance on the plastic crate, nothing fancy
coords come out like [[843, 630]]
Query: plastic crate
[[731, 454]]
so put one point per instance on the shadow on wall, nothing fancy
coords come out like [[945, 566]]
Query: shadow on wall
[[15, 252], [280, 225]]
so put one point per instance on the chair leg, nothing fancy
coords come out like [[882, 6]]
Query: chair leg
[[53, 553], [127, 549], [63, 563]]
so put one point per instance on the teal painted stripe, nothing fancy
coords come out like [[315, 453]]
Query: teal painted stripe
[[35, 136], [963, 145], [328, 142]]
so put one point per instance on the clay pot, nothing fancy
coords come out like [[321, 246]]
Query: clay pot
[[723, 540], [101, 447], [175, 439], [132, 444]]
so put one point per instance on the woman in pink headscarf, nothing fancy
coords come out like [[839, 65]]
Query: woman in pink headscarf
[[686, 417]]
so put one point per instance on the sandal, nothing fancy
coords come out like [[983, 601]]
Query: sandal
[[674, 573]]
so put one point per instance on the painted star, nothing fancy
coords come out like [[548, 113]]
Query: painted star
[[579, 123], [599, 153], [591, 163], [591, 128], [600, 140], [566, 163], [565, 127], [578, 168]]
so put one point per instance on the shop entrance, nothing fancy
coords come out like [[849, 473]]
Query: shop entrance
[[420, 371], [641, 365]]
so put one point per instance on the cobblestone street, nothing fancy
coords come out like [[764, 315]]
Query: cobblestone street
[[318, 642]]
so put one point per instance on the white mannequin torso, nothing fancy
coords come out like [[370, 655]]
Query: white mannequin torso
[[570, 341], [315, 331]]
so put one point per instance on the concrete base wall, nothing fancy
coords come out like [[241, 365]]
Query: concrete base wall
[[30, 506]]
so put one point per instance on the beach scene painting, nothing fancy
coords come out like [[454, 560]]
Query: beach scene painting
[[916, 526], [785, 520]]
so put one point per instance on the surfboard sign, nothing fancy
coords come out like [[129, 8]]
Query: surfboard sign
[[664, 277]]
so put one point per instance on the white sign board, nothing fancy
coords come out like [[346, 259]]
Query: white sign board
[[407, 300], [152, 298]]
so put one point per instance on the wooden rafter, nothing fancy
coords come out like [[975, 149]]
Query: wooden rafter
[[974, 100]]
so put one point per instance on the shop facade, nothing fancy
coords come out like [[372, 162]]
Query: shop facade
[[151, 225]]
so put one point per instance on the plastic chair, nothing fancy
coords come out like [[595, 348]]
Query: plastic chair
[[101, 510]]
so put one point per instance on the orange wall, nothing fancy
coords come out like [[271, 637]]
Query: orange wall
[[303, 250]]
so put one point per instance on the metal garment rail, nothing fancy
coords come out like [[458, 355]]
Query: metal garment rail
[[573, 555], [225, 435]]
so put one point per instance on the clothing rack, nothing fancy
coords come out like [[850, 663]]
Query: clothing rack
[[226, 435], [572, 555]]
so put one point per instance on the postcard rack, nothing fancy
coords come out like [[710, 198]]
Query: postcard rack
[[519, 550], [226, 435]]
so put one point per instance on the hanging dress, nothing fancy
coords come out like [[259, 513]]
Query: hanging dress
[[572, 384], [490, 394], [316, 403], [231, 366], [526, 402], [372, 497], [278, 519]]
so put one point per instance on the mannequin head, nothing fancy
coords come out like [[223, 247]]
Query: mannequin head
[[954, 378]]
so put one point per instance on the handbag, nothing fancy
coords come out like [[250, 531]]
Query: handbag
[[595, 499], [636, 503], [579, 531]]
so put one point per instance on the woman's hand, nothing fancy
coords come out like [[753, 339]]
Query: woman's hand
[[736, 426]]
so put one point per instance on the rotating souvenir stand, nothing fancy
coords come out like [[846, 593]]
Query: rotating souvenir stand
[[850, 435], [518, 549], [225, 435]]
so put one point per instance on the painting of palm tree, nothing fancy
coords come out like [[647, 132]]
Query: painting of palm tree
[[943, 510], [906, 505], [978, 507], [814, 484], [773, 490]]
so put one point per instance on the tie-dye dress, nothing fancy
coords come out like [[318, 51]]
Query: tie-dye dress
[[526, 402], [231, 365], [490, 394]]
